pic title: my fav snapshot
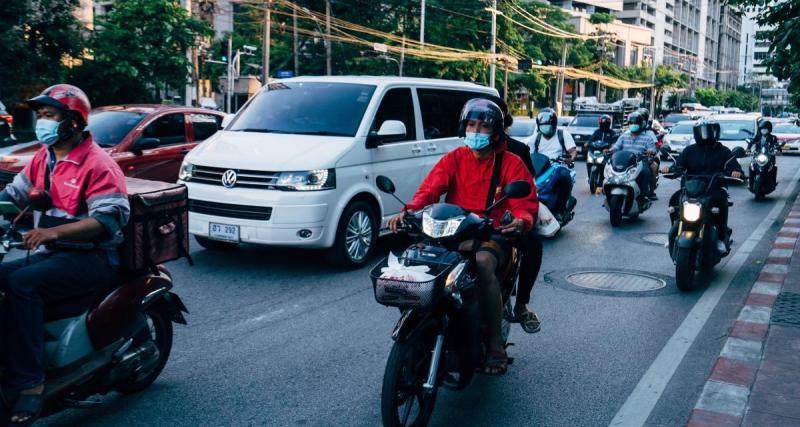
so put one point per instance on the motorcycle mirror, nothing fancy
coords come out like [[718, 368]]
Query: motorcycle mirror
[[738, 152], [664, 151], [517, 189], [385, 184], [40, 200]]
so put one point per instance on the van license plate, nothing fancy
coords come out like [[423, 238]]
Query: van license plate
[[228, 233]]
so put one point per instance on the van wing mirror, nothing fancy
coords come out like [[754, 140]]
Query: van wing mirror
[[390, 131]]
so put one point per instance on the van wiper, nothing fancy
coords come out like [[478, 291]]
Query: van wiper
[[322, 132], [257, 130]]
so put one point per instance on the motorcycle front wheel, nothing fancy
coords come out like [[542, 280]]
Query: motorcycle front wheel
[[684, 268], [593, 182], [615, 209], [403, 400]]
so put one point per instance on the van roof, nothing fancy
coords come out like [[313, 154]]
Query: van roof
[[733, 117], [386, 80]]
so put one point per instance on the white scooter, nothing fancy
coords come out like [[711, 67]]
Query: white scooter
[[623, 195]]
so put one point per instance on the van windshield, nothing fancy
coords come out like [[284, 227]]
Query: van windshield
[[307, 108]]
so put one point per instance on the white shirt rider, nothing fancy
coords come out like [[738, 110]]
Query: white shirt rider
[[550, 147]]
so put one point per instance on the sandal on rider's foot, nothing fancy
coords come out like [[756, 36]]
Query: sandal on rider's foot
[[529, 321], [496, 363], [28, 407]]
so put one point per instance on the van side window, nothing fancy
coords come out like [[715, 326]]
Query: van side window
[[441, 109], [397, 104]]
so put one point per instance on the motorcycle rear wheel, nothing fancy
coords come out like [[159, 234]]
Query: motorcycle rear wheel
[[615, 209], [159, 331], [684, 269], [403, 400], [593, 182]]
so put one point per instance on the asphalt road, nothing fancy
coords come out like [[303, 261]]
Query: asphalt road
[[277, 337]]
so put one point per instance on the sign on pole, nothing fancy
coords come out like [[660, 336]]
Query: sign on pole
[[380, 47]]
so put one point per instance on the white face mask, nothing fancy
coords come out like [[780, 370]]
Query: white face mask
[[764, 132]]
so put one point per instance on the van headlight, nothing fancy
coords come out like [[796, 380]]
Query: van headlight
[[186, 172], [691, 211], [314, 180], [436, 229]]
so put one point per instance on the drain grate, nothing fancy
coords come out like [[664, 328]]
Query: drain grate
[[616, 281], [786, 310], [658, 239]]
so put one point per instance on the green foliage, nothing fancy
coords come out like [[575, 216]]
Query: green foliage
[[601, 18], [140, 51], [35, 36], [708, 96]]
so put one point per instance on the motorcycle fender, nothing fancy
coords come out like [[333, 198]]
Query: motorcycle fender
[[686, 239], [410, 321], [171, 304], [619, 190]]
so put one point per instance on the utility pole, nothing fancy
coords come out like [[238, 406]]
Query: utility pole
[[494, 43], [328, 68], [294, 43], [402, 55], [189, 55], [560, 82], [196, 76], [422, 24], [266, 42], [653, 82], [229, 88], [505, 85]]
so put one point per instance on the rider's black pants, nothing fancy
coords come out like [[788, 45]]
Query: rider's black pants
[[562, 189], [719, 199], [45, 280], [531, 248]]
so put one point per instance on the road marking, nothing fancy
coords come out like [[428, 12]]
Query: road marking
[[639, 405]]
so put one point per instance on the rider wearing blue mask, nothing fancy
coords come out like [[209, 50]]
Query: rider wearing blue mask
[[640, 141], [555, 143]]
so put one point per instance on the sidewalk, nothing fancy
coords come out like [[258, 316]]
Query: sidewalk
[[756, 379]]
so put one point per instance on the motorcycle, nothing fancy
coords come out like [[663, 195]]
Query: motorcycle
[[623, 195], [545, 185], [120, 342], [596, 160], [693, 237], [438, 339], [763, 172]]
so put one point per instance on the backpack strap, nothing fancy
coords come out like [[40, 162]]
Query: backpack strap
[[496, 170], [560, 134], [536, 143]]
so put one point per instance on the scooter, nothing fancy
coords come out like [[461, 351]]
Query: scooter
[[693, 236], [623, 195], [118, 339], [438, 340], [763, 172], [545, 186], [596, 160]]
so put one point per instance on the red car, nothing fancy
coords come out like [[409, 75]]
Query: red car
[[147, 141]]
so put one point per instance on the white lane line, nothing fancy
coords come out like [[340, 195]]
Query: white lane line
[[640, 403]]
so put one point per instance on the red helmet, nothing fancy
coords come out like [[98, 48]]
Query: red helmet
[[67, 98]]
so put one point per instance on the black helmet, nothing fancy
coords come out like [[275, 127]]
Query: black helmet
[[645, 113], [706, 132], [483, 110], [547, 117], [604, 122], [765, 124], [636, 119]]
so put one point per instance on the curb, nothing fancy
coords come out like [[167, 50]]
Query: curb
[[723, 401]]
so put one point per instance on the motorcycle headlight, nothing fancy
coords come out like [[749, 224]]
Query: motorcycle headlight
[[436, 229], [762, 159], [599, 158], [314, 180], [186, 172], [691, 211]]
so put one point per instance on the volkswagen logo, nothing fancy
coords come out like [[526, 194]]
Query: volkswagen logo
[[229, 178]]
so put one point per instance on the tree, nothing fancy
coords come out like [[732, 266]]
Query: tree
[[140, 51], [667, 78], [783, 20], [36, 37], [601, 18], [708, 96]]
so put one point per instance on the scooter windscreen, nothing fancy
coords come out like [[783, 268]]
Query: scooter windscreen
[[695, 187], [541, 163], [622, 160]]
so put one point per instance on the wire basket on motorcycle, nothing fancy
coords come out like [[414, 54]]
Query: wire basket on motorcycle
[[395, 285]]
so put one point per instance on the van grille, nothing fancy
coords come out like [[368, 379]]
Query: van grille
[[258, 213], [245, 178]]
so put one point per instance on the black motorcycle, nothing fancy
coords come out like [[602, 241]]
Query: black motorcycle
[[763, 171], [693, 236], [438, 340], [596, 160]]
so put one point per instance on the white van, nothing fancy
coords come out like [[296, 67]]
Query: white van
[[297, 165]]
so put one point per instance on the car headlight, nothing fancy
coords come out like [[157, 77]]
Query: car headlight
[[762, 159], [314, 180], [440, 228], [691, 211], [186, 172]]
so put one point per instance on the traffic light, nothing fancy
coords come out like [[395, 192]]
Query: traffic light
[[224, 58]]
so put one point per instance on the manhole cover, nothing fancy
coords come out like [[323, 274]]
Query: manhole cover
[[786, 310], [659, 239], [616, 281]]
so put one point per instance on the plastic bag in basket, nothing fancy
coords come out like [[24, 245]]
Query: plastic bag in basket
[[408, 273]]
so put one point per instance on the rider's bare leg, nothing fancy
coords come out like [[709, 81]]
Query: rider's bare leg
[[490, 298]]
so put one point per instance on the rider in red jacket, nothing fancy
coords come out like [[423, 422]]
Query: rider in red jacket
[[463, 176]]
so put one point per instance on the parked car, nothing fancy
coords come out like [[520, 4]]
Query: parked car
[[788, 135], [673, 118], [147, 141], [523, 130], [735, 131], [680, 136], [297, 165]]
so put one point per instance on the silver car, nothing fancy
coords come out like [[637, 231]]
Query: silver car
[[680, 136], [523, 130]]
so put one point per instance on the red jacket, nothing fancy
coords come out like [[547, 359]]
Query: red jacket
[[465, 180]]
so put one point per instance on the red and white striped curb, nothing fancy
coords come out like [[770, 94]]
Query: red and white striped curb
[[723, 401]]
